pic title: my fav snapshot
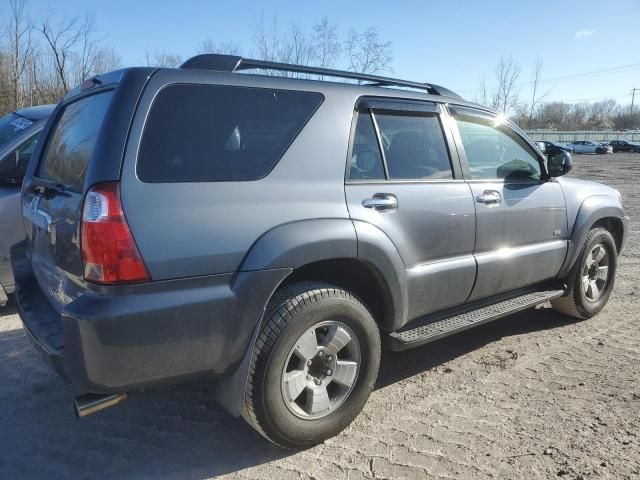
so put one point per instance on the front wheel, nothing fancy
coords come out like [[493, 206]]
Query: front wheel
[[594, 278], [313, 366]]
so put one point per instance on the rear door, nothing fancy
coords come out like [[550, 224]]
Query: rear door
[[403, 179], [521, 221], [53, 197]]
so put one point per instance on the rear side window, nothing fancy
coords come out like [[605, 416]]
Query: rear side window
[[366, 160], [414, 146], [212, 133], [71, 146]]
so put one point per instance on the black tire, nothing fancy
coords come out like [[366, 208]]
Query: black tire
[[290, 314], [576, 303], [600, 151]]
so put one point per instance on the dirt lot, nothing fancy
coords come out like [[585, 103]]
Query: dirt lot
[[531, 396]]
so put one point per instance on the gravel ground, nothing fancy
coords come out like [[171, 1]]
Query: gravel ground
[[534, 395]]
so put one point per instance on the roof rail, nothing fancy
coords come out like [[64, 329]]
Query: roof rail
[[233, 63]]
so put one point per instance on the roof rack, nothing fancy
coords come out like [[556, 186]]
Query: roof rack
[[233, 63]]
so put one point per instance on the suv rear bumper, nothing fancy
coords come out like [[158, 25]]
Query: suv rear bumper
[[117, 339]]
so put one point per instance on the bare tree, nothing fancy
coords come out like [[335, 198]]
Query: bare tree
[[367, 53], [507, 73], [226, 47], [482, 96], [535, 86], [325, 37], [61, 38], [164, 60], [293, 45], [267, 40], [297, 47], [20, 46]]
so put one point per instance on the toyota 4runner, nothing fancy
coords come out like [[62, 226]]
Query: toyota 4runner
[[274, 233]]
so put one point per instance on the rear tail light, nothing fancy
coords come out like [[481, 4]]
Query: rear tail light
[[109, 253]]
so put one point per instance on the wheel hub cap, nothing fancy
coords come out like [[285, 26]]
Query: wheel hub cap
[[595, 273], [321, 370]]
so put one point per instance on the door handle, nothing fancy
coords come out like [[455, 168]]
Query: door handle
[[381, 201], [489, 197]]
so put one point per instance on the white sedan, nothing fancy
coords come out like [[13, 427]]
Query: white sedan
[[585, 146]]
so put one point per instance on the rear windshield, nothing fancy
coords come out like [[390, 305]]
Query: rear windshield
[[12, 126], [209, 133], [71, 145]]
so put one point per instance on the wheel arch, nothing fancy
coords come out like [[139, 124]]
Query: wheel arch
[[352, 255], [595, 211]]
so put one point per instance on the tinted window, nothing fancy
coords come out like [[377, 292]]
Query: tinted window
[[414, 146], [496, 151], [366, 160], [205, 133], [73, 140]]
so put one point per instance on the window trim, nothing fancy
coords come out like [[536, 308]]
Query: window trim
[[485, 115], [427, 108]]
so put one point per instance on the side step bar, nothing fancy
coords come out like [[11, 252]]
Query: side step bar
[[462, 320]]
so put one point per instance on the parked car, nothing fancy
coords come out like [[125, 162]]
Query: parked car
[[19, 132], [624, 146], [273, 233], [586, 146], [551, 148]]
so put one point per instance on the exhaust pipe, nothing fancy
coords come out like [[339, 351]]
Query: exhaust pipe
[[89, 403]]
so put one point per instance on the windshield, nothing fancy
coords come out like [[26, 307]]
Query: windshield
[[12, 126]]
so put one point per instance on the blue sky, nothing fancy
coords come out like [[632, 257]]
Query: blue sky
[[445, 42]]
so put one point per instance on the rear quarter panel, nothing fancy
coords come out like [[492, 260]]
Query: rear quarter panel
[[190, 229]]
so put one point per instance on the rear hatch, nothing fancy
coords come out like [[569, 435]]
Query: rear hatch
[[83, 145]]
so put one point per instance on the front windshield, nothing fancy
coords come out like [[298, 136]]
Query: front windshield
[[11, 126]]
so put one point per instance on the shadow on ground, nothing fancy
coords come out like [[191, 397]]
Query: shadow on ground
[[176, 432]]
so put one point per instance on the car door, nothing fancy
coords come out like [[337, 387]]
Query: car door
[[521, 223], [13, 167], [403, 179]]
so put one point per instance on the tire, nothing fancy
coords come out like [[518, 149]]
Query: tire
[[581, 301], [600, 151], [285, 348]]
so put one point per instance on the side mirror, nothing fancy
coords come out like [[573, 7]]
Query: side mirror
[[560, 163]]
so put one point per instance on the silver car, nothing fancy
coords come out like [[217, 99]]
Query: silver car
[[587, 146], [19, 132]]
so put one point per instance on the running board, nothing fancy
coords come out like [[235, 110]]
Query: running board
[[462, 320]]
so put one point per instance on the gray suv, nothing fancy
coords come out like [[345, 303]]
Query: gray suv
[[275, 233]]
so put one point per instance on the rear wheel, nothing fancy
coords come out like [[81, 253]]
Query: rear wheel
[[594, 278], [313, 366]]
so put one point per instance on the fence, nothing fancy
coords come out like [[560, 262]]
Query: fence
[[593, 135]]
